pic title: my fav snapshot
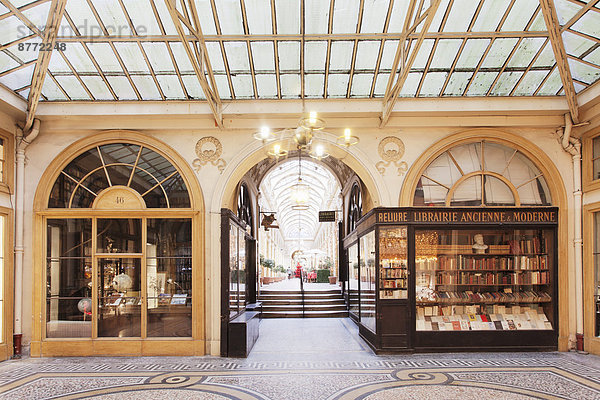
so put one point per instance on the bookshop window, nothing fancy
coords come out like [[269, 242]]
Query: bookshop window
[[482, 174], [597, 273], [354, 207], [119, 164], [237, 270], [116, 261], [244, 207], [367, 280], [596, 158], [2, 271], [484, 279], [2, 160], [353, 281]]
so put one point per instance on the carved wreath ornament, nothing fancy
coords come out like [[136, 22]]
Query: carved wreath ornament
[[209, 150], [391, 150]]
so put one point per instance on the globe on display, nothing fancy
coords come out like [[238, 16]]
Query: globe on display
[[85, 305], [122, 282]]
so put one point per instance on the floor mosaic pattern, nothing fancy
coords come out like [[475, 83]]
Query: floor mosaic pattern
[[307, 359]]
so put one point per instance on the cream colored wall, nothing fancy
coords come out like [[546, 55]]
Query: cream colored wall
[[241, 152]]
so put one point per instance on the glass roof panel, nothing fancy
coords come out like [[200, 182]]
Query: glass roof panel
[[242, 86], [341, 55], [583, 72], [165, 18], [112, 17], [25, 94], [546, 57], [229, 13], [122, 87], [314, 85], [3, 10], [530, 83], [258, 13], [316, 16], [423, 55], [593, 57], [361, 85], [290, 85], [146, 86], [345, 15], [104, 56], [552, 84], [397, 18], [588, 24], [432, 84], [461, 14], [538, 23], [499, 52], [73, 87], [490, 15], [289, 56], [381, 84], [170, 86], [314, 56], [79, 59], [222, 86], [576, 45], [578, 87], [97, 87], [142, 17], [7, 62], [157, 54], [30, 50], [215, 55], [527, 49], [389, 52], [472, 53], [481, 83], [506, 83], [18, 79], [237, 56], [439, 16], [83, 18], [132, 57], [181, 58], [445, 53], [263, 56], [205, 17], [13, 29], [520, 14], [457, 83], [410, 85], [374, 15], [366, 54], [337, 85], [38, 15], [565, 10], [266, 84], [51, 90], [288, 16], [194, 89]]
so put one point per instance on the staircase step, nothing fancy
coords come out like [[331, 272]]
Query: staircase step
[[307, 314]]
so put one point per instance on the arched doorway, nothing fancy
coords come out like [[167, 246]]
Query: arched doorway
[[118, 240]]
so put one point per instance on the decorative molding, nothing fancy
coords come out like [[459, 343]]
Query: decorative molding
[[209, 150], [391, 149]]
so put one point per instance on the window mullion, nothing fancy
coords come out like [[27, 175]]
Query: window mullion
[[94, 280], [144, 280]]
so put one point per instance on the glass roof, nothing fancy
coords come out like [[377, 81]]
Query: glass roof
[[111, 50], [276, 189]]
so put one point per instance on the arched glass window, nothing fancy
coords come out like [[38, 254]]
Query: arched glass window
[[244, 207], [152, 176], [354, 207], [482, 174]]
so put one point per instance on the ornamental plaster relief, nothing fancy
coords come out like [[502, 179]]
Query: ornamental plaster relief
[[391, 150], [209, 150]]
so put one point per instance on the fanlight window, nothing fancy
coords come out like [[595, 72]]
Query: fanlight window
[[354, 207], [482, 174], [148, 173]]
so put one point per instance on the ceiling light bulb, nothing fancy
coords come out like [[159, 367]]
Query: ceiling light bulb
[[312, 117], [277, 148], [347, 134], [264, 132], [320, 150]]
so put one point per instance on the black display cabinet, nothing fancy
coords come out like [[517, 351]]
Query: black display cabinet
[[455, 279]]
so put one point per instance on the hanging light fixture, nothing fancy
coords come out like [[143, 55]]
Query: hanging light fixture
[[300, 194], [276, 151]]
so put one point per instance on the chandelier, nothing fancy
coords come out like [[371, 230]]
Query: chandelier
[[303, 138], [300, 194]]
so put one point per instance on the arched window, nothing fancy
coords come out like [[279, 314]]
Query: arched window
[[482, 173], [354, 207], [132, 166], [244, 206]]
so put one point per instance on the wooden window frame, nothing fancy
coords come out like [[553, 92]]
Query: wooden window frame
[[7, 176], [589, 183], [6, 345], [591, 342]]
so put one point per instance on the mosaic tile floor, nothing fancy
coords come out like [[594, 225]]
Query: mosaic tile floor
[[307, 359]]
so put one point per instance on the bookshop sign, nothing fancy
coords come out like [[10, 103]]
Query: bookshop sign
[[533, 216]]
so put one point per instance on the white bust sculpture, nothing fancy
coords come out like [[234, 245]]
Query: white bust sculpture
[[479, 247]]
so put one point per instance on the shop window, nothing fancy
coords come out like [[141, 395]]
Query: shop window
[[482, 174], [2, 160], [244, 207], [596, 273], [354, 207], [353, 290], [596, 158], [148, 173], [367, 280]]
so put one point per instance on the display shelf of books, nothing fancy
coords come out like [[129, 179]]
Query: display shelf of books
[[393, 263], [483, 280]]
